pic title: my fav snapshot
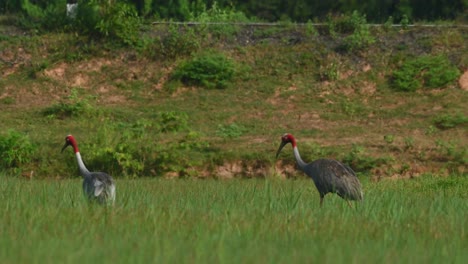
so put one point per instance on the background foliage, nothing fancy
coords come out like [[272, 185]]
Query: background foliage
[[129, 91], [377, 11], [16, 149]]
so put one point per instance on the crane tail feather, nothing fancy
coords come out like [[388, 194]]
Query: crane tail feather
[[98, 190]]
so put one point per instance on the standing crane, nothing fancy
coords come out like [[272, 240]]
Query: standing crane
[[329, 176], [97, 186]]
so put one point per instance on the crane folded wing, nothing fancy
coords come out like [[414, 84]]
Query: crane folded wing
[[98, 187]]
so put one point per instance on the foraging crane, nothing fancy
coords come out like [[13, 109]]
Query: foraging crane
[[329, 176], [97, 186]]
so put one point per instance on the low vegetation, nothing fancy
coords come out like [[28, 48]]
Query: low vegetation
[[425, 71], [207, 100], [420, 220], [206, 70], [16, 149]]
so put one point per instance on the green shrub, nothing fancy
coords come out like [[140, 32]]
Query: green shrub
[[452, 152], [210, 70], [354, 27], [15, 149], [34, 68], [447, 121], [361, 36], [389, 23], [118, 148], [360, 161], [143, 148], [310, 29], [51, 16], [221, 20], [178, 41], [428, 71], [112, 20], [180, 155], [359, 40], [124, 158], [404, 22], [72, 106], [329, 69], [171, 121]]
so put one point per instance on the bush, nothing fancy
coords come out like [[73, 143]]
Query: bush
[[452, 152], [360, 37], [73, 106], [15, 149], [360, 161], [172, 121], [222, 19], [142, 147], [210, 70], [179, 41], [125, 158], [109, 19], [447, 121], [356, 29], [429, 71], [181, 155], [50, 16]]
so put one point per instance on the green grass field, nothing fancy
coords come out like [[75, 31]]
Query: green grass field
[[422, 220]]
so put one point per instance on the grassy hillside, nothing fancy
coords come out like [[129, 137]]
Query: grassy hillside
[[378, 101]]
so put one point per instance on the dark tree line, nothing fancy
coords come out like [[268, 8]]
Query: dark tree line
[[377, 11]]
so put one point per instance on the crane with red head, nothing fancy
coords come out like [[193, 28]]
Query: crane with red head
[[97, 186], [329, 176]]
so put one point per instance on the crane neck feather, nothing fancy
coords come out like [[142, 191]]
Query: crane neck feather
[[84, 171], [297, 155]]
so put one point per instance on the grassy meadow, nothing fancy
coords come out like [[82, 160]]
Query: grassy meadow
[[272, 220]]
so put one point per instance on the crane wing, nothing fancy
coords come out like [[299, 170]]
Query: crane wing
[[103, 184], [98, 187], [334, 176], [346, 183]]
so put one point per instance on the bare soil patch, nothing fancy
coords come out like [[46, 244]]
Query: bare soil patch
[[463, 81]]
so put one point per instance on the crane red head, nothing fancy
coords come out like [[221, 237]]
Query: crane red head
[[70, 141], [285, 139]]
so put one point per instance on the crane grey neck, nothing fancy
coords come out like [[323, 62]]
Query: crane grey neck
[[299, 161], [84, 171]]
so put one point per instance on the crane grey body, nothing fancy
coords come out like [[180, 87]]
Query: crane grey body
[[97, 186], [100, 187], [329, 176]]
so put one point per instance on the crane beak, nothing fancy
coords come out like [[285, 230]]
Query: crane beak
[[65, 146], [280, 148]]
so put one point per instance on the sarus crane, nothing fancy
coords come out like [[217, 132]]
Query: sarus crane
[[329, 176], [97, 186]]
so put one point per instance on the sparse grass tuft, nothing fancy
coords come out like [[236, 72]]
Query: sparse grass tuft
[[232, 130]]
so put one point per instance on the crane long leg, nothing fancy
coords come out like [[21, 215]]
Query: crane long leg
[[349, 203], [321, 201]]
